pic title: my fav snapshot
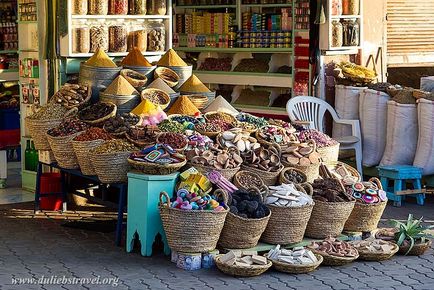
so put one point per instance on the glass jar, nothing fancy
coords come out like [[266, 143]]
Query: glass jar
[[118, 35], [99, 36], [156, 35], [157, 7], [137, 7], [350, 7], [351, 32], [336, 7], [118, 7], [80, 38], [98, 7], [79, 7], [138, 36], [337, 34]]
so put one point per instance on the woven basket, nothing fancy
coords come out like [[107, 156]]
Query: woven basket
[[266, 142], [269, 178], [169, 76], [417, 250], [328, 219], [209, 134], [138, 143], [154, 168], [155, 95], [222, 115], [329, 154], [227, 173], [287, 224], [330, 260], [370, 256], [297, 269], [241, 271], [283, 179], [136, 79], [240, 185], [179, 150], [111, 167], [200, 101], [81, 150], [207, 225], [38, 130], [365, 217], [63, 151], [100, 122], [242, 233], [350, 169], [311, 171], [78, 106]]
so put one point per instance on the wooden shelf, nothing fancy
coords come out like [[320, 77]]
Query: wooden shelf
[[205, 6], [233, 50], [276, 111], [8, 51], [276, 5], [117, 54], [245, 78], [120, 16], [9, 75]]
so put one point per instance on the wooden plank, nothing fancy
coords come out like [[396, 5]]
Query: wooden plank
[[410, 191]]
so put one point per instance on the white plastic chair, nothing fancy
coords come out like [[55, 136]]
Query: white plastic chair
[[311, 110]]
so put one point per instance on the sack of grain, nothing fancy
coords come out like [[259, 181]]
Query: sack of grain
[[347, 107], [401, 140], [425, 150], [373, 123]]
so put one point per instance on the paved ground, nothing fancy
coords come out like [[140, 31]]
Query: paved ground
[[35, 246]]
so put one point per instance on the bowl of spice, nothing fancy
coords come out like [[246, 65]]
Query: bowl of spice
[[177, 141], [169, 76], [157, 97]]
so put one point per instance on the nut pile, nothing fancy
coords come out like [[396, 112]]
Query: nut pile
[[248, 205], [170, 126], [303, 154], [287, 195], [96, 111], [175, 140], [296, 256], [334, 247], [113, 146], [131, 119], [276, 134], [93, 133], [49, 111], [217, 158], [329, 190], [116, 125], [239, 139], [266, 159], [321, 139], [71, 95], [68, 127], [373, 246], [243, 258]]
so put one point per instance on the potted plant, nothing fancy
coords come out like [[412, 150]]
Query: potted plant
[[412, 236]]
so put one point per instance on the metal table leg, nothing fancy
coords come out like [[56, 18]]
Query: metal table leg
[[121, 206], [38, 186]]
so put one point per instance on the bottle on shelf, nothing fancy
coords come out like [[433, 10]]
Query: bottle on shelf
[[27, 156], [34, 157]]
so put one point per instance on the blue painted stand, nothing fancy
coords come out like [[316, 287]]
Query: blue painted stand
[[400, 174], [143, 213]]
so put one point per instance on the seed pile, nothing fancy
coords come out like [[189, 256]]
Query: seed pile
[[49, 111], [93, 133], [115, 145], [68, 127], [96, 111]]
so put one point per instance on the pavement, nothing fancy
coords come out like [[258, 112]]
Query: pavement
[[38, 250]]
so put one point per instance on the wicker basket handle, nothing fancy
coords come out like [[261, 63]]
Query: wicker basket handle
[[377, 182], [163, 193], [276, 147], [223, 194], [307, 187], [313, 142], [71, 112]]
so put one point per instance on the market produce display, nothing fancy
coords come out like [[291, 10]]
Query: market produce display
[[97, 112], [216, 158], [116, 125], [72, 95], [296, 256], [176, 141], [330, 190], [275, 134], [287, 195], [68, 127], [335, 252], [303, 154], [239, 139]]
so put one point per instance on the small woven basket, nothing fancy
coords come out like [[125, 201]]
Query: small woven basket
[[372, 256], [311, 171], [221, 115], [241, 271], [136, 79], [248, 175], [330, 260], [157, 97], [283, 179], [269, 178], [154, 168], [328, 219], [242, 233], [81, 150], [332, 165], [100, 122], [365, 217], [207, 224], [179, 150], [63, 151], [297, 269], [227, 173], [199, 101], [208, 133], [111, 167], [329, 153], [169, 76], [138, 143], [417, 250]]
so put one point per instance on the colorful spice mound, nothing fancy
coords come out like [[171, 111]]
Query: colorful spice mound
[[150, 113], [113, 146], [171, 58], [159, 154], [248, 205], [171, 126], [100, 59], [330, 190], [321, 139], [50, 111], [93, 133], [120, 87], [183, 106], [135, 58], [194, 85], [192, 201], [334, 247], [68, 127]]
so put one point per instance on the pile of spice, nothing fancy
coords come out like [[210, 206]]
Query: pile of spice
[[286, 195], [150, 113], [296, 256], [158, 154], [183, 106], [71, 95], [176, 141], [93, 133], [243, 258], [216, 158], [161, 85], [171, 58], [321, 139], [330, 190], [49, 111], [68, 127], [115, 145], [216, 64], [120, 87], [100, 59], [254, 98], [116, 125], [194, 85], [219, 104], [96, 111], [135, 58], [248, 205], [334, 247], [171, 126], [266, 159]]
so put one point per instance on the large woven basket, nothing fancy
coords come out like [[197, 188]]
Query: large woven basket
[[242, 233], [207, 226], [100, 122], [269, 178], [247, 174], [63, 151], [287, 224], [241, 271], [111, 167], [283, 179], [330, 153], [227, 173], [417, 250], [365, 217], [82, 149], [311, 171], [330, 260], [372, 256], [38, 130], [328, 219], [154, 168], [297, 269]]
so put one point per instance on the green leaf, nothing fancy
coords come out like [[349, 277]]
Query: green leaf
[[401, 239], [411, 245]]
